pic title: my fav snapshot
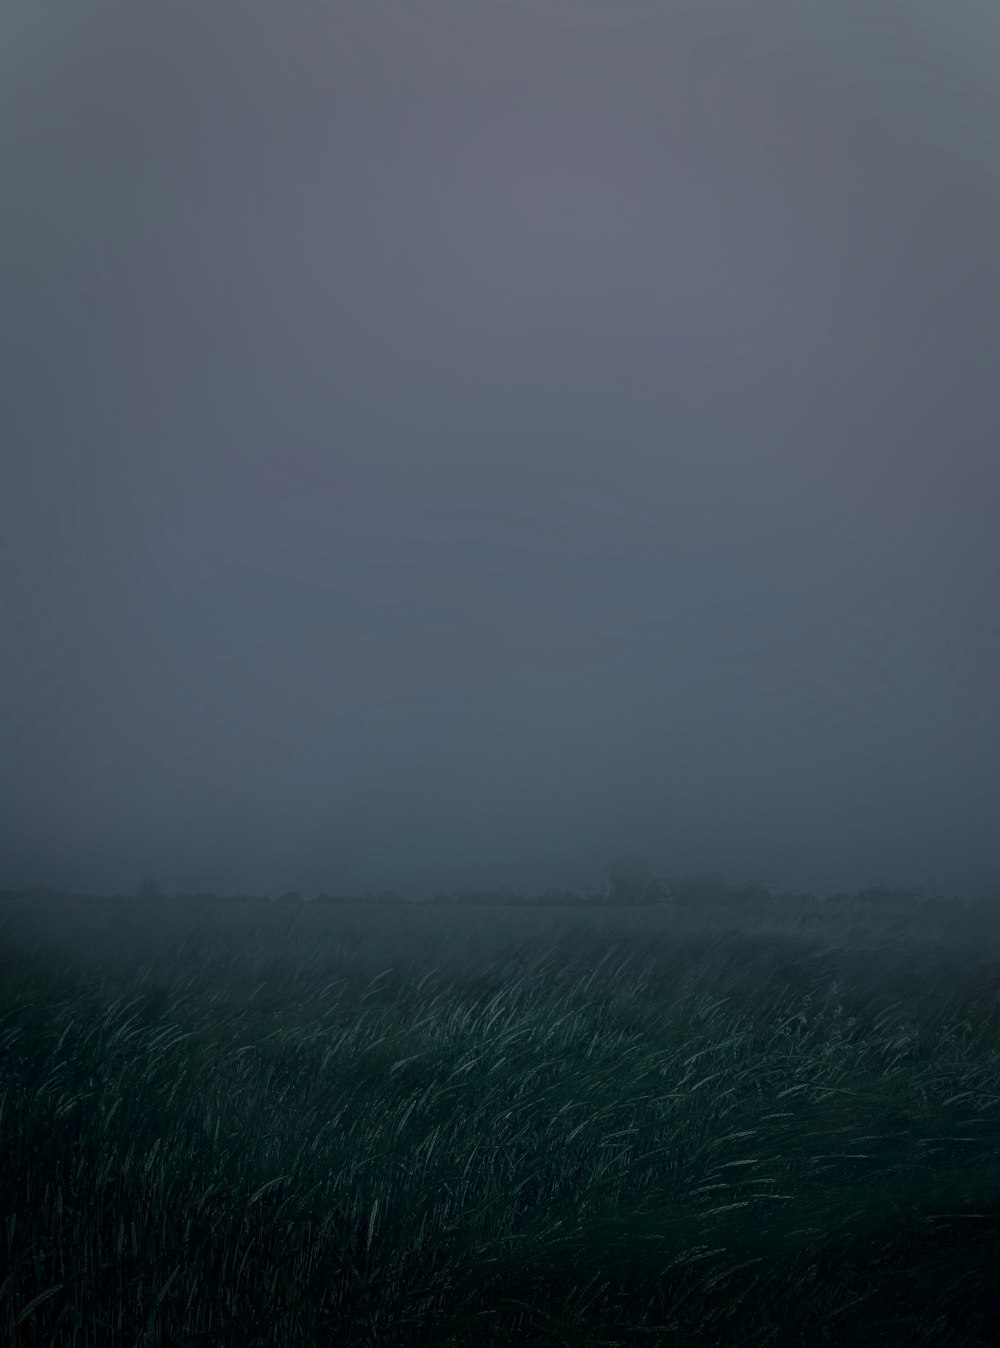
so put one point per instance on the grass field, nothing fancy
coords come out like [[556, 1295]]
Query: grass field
[[259, 1124]]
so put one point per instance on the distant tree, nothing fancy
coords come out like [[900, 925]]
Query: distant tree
[[148, 888], [701, 887], [632, 881]]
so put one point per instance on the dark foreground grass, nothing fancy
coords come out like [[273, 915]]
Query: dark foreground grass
[[415, 1127]]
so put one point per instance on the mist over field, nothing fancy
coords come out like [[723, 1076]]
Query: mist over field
[[461, 444], [702, 1122]]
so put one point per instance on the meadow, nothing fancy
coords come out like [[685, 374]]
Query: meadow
[[260, 1125]]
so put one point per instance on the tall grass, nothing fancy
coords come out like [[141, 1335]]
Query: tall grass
[[451, 1128]]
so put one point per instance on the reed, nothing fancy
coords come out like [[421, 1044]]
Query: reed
[[446, 1128]]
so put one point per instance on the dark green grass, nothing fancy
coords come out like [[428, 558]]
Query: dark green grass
[[415, 1127]]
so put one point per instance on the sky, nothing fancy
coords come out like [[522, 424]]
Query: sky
[[457, 443]]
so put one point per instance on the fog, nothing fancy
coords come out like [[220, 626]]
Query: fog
[[462, 443]]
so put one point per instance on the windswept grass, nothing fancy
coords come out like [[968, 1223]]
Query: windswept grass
[[470, 1128]]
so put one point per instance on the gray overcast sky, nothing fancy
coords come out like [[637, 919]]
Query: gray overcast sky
[[461, 442]]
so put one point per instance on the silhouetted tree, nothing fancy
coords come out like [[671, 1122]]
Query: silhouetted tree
[[148, 888]]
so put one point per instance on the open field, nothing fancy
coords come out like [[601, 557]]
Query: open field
[[256, 1124]]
